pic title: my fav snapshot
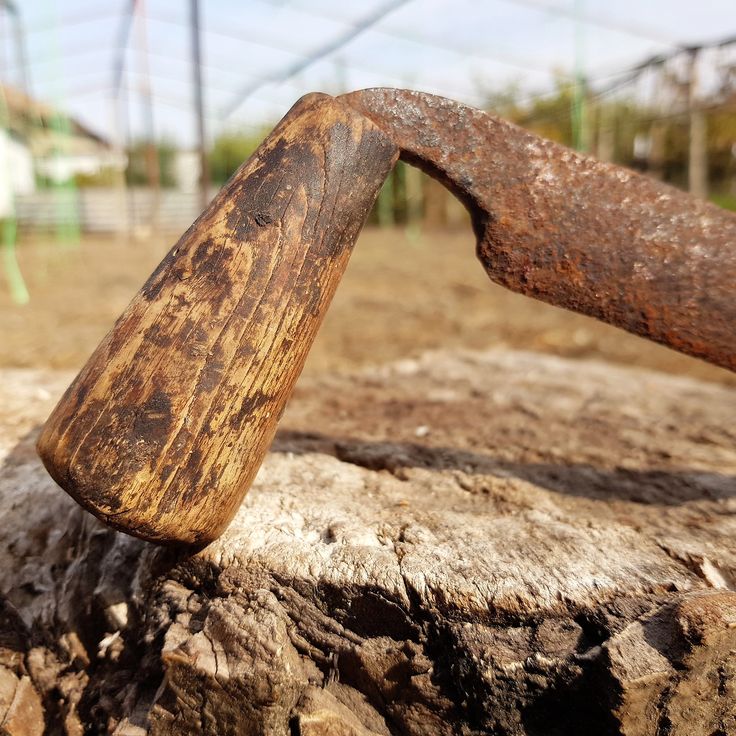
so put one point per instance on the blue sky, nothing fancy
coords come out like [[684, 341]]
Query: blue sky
[[458, 48]]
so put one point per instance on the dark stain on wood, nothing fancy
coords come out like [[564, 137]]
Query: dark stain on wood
[[262, 218], [153, 419], [249, 408]]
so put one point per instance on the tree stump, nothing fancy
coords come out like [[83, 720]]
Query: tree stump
[[466, 543]]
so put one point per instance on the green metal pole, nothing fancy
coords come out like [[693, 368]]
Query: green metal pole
[[18, 289]]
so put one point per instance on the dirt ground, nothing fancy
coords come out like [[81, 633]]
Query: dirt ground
[[401, 295]]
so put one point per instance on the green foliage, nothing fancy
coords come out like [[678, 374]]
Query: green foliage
[[613, 126], [392, 206], [229, 152], [137, 173], [727, 201], [722, 144], [550, 117], [107, 177]]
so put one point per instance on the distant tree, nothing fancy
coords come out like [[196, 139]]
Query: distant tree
[[229, 151], [136, 173], [630, 133], [106, 177], [722, 148]]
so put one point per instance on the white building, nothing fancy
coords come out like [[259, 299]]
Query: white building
[[37, 142], [16, 164], [187, 170]]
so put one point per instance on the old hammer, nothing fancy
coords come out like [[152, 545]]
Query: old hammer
[[163, 430]]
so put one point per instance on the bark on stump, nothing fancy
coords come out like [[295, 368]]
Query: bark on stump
[[469, 543]]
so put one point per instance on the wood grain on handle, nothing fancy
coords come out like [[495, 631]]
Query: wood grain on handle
[[161, 433]]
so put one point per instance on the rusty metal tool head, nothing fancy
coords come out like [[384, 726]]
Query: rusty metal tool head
[[163, 430], [562, 227]]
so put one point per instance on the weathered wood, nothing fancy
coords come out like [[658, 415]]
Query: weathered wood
[[163, 430], [483, 543]]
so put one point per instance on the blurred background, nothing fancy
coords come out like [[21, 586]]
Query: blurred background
[[119, 120]]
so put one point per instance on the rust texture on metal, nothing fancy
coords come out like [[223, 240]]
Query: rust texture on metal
[[572, 231]]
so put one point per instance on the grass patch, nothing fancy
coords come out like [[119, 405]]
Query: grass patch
[[727, 201]]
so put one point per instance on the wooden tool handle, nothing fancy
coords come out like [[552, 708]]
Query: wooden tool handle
[[161, 433]]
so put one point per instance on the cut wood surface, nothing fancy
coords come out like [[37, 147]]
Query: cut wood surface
[[465, 543]]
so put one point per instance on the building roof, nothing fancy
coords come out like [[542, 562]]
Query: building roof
[[45, 127]]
